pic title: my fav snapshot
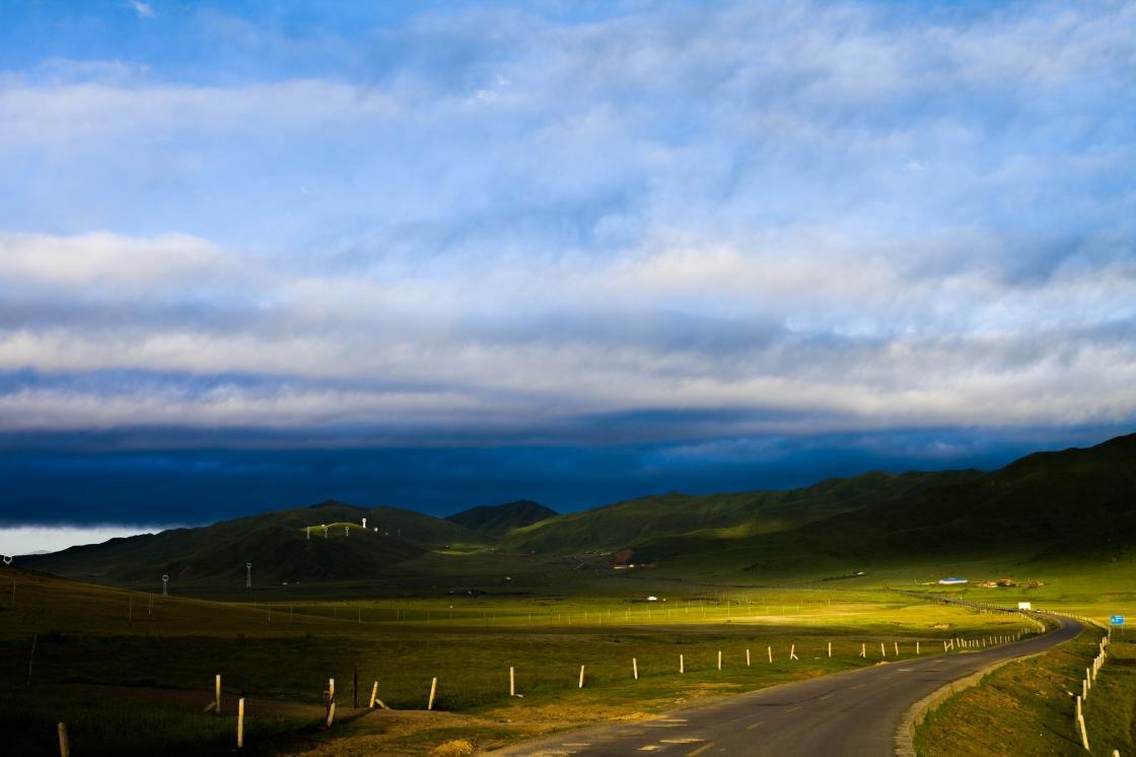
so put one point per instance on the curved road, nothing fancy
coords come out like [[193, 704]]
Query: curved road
[[856, 712]]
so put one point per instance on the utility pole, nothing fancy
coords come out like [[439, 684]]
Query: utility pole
[[248, 575]]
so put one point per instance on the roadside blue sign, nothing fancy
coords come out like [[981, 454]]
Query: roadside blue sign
[[1116, 620]]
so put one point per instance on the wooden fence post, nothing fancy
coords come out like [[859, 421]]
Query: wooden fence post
[[635, 668], [793, 652], [1081, 725], [769, 651], [433, 691], [581, 676], [374, 694], [830, 649], [897, 649], [64, 743], [681, 664], [512, 682], [719, 659], [864, 650], [240, 723], [217, 694], [747, 657], [917, 648]]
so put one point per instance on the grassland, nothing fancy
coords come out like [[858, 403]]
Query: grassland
[[133, 671], [1026, 707]]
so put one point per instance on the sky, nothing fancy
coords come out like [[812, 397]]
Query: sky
[[436, 255]]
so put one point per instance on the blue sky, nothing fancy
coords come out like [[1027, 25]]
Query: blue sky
[[585, 250]]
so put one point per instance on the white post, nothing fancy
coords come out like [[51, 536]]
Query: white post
[[512, 682], [719, 659], [1081, 725], [681, 664], [581, 676], [747, 657], [770, 651], [240, 723], [635, 668], [793, 652], [830, 649], [433, 690]]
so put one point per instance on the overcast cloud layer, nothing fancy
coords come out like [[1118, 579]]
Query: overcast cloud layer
[[641, 222]]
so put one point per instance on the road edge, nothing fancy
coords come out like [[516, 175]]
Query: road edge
[[916, 714]]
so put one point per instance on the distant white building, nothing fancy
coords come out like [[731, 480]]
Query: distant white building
[[952, 581], [1025, 606]]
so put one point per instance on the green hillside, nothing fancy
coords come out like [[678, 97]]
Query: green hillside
[[674, 519], [1055, 505], [1076, 503], [278, 545], [498, 520], [1052, 504]]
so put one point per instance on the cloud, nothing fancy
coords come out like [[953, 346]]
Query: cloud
[[664, 223], [29, 539], [142, 10]]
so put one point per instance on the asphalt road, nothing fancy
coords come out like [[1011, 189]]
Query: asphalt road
[[856, 712]]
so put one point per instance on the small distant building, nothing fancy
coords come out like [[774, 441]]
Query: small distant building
[[952, 581], [652, 598], [1025, 605]]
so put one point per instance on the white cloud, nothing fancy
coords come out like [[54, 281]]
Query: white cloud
[[101, 259], [856, 219], [141, 9], [28, 539]]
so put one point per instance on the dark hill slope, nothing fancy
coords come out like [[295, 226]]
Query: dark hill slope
[[498, 520], [1077, 502], [1072, 503], [678, 522], [276, 543], [1050, 503]]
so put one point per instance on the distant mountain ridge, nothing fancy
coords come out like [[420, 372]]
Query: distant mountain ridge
[[498, 520], [1076, 502]]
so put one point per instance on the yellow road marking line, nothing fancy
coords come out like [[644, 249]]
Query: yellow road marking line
[[700, 749]]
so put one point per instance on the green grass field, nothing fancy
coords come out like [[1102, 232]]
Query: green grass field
[[115, 662], [1026, 707]]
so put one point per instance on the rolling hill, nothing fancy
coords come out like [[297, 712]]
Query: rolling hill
[[498, 520], [1073, 503], [278, 545]]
